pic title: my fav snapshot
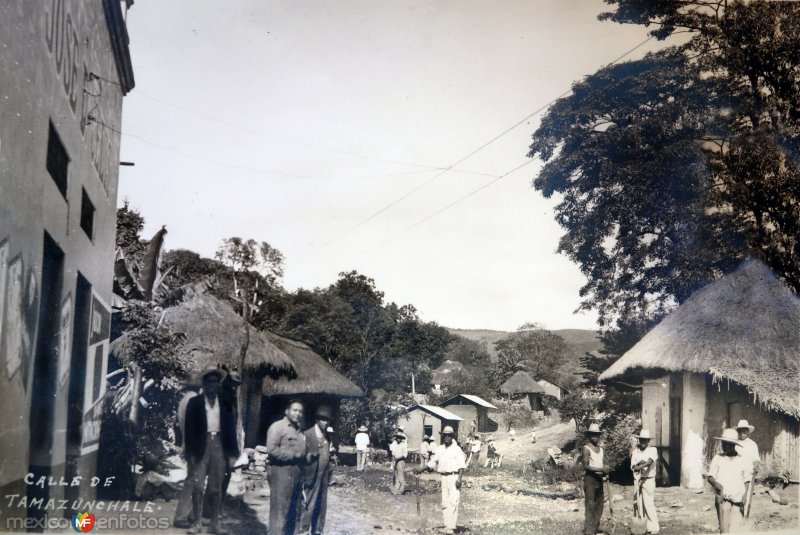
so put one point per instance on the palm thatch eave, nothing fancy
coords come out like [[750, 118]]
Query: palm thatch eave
[[743, 328]]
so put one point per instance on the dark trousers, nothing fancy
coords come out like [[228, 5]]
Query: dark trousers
[[285, 499], [593, 492], [211, 465], [316, 503]]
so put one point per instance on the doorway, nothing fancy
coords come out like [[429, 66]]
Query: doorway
[[77, 384], [45, 370]]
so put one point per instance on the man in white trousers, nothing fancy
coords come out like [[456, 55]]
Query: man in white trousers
[[449, 462]]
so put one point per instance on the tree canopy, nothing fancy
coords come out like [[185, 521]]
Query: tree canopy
[[671, 169]]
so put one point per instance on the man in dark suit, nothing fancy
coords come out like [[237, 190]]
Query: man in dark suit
[[209, 444], [318, 473]]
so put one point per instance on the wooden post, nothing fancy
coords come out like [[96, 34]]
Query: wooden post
[[136, 392]]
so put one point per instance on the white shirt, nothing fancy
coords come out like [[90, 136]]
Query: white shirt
[[362, 441], [447, 460], [475, 446], [640, 455], [595, 457], [733, 473], [425, 448], [212, 416], [749, 450], [399, 449]]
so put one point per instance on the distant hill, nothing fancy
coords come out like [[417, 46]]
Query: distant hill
[[580, 342]]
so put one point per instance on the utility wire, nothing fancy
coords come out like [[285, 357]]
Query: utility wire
[[450, 167], [247, 130], [444, 208]]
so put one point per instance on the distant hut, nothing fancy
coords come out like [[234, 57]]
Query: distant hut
[[470, 407], [729, 352], [315, 383], [521, 385], [551, 389], [421, 420]]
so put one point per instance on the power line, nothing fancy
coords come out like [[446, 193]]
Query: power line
[[450, 167], [444, 208], [247, 130]]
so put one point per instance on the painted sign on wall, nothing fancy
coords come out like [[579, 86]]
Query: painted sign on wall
[[96, 365]]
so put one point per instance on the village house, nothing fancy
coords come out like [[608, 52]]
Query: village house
[[315, 382], [421, 420], [65, 67], [522, 386], [551, 389], [729, 352], [446, 374], [471, 408]]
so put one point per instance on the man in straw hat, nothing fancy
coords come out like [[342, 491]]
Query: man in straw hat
[[398, 449], [286, 450], [317, 473], [595, 473], [730, 475], [644, 460], [362, 447], [449, 461], [210, 442], [748, 447]]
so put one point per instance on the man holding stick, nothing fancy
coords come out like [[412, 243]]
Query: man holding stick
[[450, 462]]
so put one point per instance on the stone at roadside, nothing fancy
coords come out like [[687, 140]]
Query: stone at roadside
[[777, 498], [676, 505]]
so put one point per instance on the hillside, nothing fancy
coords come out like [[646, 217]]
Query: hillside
[[580, 342]]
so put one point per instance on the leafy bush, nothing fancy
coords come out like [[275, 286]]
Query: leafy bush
[[545, 472]]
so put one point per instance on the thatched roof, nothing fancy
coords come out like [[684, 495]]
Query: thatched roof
[[743, 328], [314, 374], [215, 334], [521, 383]]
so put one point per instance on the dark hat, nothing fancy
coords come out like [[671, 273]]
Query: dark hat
[[324, 412], [213, 371]]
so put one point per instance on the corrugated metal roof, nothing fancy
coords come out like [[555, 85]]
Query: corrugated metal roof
[[471, 398], [439, 412]]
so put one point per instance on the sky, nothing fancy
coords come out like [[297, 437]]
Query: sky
[[331, 130]]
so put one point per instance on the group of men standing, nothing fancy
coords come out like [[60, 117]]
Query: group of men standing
[[730, 473], [300, 468]]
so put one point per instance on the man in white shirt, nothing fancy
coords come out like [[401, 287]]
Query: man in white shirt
[[398, 449], [362, 447], [747, 448], [425, 450], [644, 460], [449, 461], [730, 474]]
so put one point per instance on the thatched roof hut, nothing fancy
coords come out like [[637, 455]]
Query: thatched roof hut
[[215, 334], [744, 328], [521, 383], [314, 375], [447, 372]]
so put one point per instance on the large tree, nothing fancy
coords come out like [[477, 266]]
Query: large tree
[[671, 169]]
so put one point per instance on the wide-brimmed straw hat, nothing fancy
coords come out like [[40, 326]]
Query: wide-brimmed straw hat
[[644, 434], [448, 430], [362, 429], [729, 435], [213, 371], [744, 424], [594, 429], [428, 438]]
